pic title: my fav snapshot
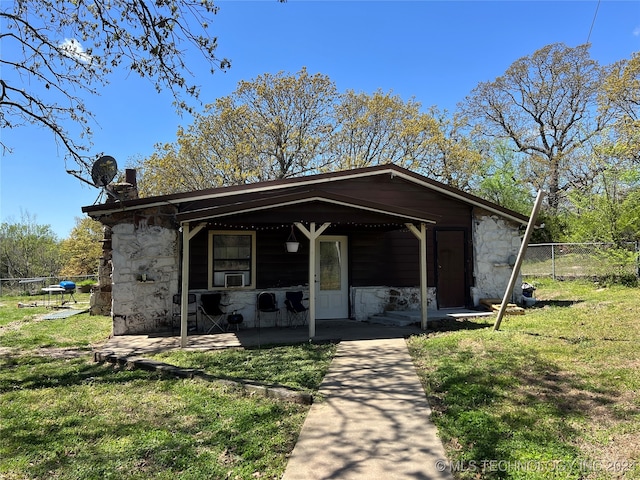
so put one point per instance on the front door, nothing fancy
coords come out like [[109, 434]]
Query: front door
[[450, 259], [332, 283]]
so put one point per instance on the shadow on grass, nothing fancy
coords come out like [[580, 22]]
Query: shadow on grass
[[578, 339], [36, 372], [555, 303], [452, 324], [76, 419], [296, 366], [508, 404]]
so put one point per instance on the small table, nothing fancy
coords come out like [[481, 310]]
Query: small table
[[54, 289]]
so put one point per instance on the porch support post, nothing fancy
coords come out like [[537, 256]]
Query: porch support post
[[421, 235], [187, 235], [312, 234]]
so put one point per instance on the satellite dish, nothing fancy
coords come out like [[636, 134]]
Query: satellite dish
[[104, 170]]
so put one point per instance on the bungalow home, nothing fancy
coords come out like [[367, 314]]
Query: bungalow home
[[368, 240]]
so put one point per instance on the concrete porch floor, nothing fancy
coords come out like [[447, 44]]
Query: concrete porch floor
[[407, 324]]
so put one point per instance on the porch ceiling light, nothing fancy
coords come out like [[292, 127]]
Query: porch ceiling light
[[292, 243]]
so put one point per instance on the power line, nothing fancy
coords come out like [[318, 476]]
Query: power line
[[593, 21]]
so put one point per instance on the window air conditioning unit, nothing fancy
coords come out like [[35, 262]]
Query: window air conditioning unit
[[233, 280]]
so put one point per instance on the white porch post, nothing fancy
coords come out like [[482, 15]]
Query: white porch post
[[187, 235], [312, 234], [421, 235]]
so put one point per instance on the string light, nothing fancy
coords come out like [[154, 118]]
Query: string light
[[286, 226]]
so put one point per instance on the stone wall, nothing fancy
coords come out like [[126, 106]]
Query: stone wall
[[496, 243], [100, 299], [368, 301], [146, 272]]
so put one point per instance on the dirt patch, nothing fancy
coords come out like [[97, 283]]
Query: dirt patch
[[610, 436], [614, 454]]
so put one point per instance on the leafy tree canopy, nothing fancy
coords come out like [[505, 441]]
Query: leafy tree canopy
[[28, 249], [621, 92], [82, 250], [279, 126], [545, 105]]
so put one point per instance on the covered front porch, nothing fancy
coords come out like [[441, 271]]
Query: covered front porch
[[328, 259], [326, 331]]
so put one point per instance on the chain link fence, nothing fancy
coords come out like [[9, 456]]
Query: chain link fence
[[582, 260], [11, 287]]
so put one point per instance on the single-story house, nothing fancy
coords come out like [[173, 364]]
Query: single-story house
[[369, 240]]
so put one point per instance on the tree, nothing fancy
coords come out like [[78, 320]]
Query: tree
[[55, 52], [287, 121], [609, 213], [375, 129], [500, 182], [28, 249], [275, 126], [545, 104], [381, 128], [451, 155], [82, 250], [621, 92]]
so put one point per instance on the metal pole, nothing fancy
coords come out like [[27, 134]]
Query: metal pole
[[518, 264]]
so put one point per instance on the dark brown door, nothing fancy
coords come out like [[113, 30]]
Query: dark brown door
[[450, 260]]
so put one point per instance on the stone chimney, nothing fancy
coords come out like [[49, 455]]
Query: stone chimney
[[100, 300], [127, 190]]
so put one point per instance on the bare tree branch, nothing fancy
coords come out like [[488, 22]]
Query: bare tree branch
[[58, 52]]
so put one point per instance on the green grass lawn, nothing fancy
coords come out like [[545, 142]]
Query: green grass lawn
[[554, 394], [71, 418]]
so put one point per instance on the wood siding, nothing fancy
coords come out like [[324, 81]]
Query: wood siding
[[381, 249]]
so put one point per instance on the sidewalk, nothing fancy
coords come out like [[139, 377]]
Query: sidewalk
[[372, 421]]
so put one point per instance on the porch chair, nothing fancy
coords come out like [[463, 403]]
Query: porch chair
[[267, 303], [296, 311], [210, 307], [192, 312]]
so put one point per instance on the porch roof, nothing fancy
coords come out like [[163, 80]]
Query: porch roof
[[224, 196], [238, 206]]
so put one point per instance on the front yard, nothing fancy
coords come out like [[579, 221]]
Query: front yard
[[64, 416], [554, 394]]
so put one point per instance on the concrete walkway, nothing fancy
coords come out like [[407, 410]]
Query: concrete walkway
[[373, 421]]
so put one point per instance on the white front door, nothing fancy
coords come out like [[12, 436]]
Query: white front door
[[332, 282]]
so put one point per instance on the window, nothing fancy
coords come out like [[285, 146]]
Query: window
[[232, 259]]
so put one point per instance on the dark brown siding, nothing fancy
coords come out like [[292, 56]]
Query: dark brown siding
[[199, 260], [276, 267], [381, 250], [384, 258]]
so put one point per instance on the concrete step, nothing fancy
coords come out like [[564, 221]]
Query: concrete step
[[409, 317]]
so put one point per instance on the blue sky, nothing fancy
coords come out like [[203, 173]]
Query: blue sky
[[433, 51]]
